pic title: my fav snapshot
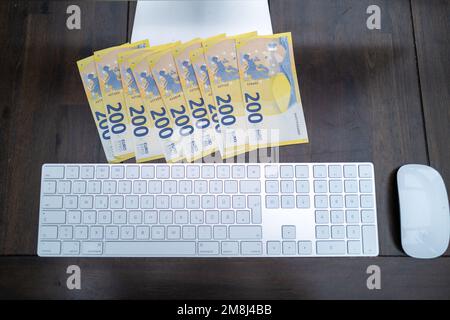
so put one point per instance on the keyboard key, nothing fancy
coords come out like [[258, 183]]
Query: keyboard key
[[162, 202], [245, 232], [154, 187], [72, 172], [239, 202], [336, 201], [254, 204], [351, 201], [109, 186], [79, 187], [208, 172], [143, 233], [337, 232], [52, 202], [166, 217], [288, 232], [223, 202], [124, 187], [321, 201], [354, 247], [197, 217], [223, 172], [147, 202], [352, 216], [64, 187], [365, 186], [287, 202], [193, 202], [286, 171], [70, 248], [140, 186], [70, 202], [117, 172], [253, 172], [49, 248], [102, 172], [170, 186], [204, 232], [287, 186], [335, 186], [94, 187], [104, 217], [367, 216], [211, 217], [92, 248], [289, 248], [337, 216], [238, 172], [320, 186], [80, 232], [303, 202], [250, 186], [271, 171], [147, 172], [126, 232], [351, 186], [96, 233], [208, 247], [272, 186], [367, 201], [132, 202], [135, 217], [370, 245], [227, 216], [132, 172], [322, 217], [273, 248], [89, 217], [153, 248], [49, 186], [301, 172], [173, 232], [230, 247], [302, 186], [73, 217], [177, 202], [330, 247], [86, 202], [181, 217], [365, 171], [304, 248], [162, 172], [158, 233], [251, 248], [49, 232], [119, 217], [189, 232], [112, 233], [322, 232], [215, 186], [320, 171], [50, 217], [231, 186], [353, 232], [177, 172], [192, 172], [185, 186], [350, 171], [200, 186], [53, 172], [220, 232], [272, 202], [334, 171]]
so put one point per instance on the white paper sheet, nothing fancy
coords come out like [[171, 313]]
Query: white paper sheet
[[164, 21]]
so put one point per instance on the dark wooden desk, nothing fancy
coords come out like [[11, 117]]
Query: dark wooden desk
[[380, 96]]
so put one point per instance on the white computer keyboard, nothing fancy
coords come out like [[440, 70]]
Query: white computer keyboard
[[193, 210]]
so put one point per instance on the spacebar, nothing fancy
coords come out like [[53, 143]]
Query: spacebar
[[150, 248]]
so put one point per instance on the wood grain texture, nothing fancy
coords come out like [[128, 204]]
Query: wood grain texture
[[362, 100], [360, 92], [431, 26], [45, 114], [254, 278]]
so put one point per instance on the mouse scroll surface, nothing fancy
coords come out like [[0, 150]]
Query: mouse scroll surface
[[424, 214]]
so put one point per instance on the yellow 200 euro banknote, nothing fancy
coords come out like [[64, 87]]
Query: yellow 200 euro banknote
[[91, 85], [167, 79], [221, 61], [146, 148], [270, 91], [113, 98], [162, 125], [204, 134]]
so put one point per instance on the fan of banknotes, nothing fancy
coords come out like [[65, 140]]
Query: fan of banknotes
[[222, 95]]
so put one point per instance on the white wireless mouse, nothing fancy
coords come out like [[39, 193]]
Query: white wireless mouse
[[424, 211]]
